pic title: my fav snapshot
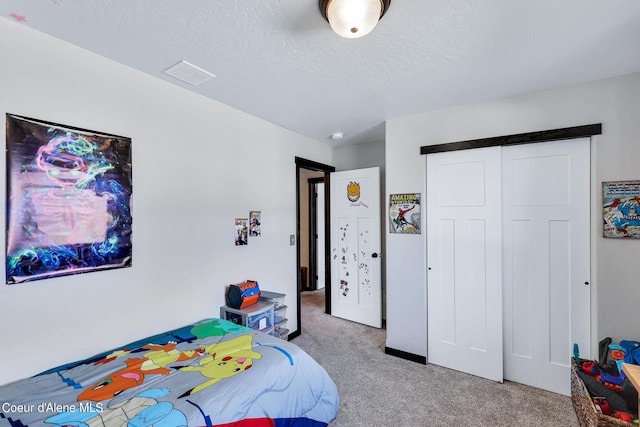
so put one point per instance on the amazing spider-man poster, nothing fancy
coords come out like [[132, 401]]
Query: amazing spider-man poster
[[68, 200], [404, 213]]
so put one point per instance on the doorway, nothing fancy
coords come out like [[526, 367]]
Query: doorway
[[319, 173], [316, 278]]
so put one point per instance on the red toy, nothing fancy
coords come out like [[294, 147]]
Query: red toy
[[602, 405], [623, 416]]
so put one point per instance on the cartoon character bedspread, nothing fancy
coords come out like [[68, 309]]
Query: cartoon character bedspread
[[212, 373]]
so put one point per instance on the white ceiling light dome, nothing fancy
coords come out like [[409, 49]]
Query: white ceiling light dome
[[353, 18]]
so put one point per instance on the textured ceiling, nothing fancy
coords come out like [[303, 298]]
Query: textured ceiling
[[279, 59]]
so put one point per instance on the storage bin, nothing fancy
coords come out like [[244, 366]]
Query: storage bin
[[280, 312], [588, 415], [259, 316], [261, 321]]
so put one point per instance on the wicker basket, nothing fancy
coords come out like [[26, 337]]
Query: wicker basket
[[588, 415]]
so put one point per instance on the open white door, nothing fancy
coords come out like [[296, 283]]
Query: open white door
[[464, 290], [356, 291]]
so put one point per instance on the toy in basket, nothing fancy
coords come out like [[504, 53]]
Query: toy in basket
[[243, 294], [602, 395]]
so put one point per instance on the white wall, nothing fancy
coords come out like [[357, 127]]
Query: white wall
[[359, 156], [614, 286], [197, 165]]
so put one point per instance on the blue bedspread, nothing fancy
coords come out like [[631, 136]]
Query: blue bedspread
[[211, 373]]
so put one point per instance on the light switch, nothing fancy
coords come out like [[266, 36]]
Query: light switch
[[292, 240]]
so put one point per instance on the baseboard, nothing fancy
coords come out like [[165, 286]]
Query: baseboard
[[293, 335], [405, 355]]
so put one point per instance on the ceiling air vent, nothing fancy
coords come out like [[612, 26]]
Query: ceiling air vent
[[189, 73]]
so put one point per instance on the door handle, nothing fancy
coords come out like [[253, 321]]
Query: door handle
[[374, 255]]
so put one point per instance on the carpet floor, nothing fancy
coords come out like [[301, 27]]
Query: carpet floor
[[377, 389]]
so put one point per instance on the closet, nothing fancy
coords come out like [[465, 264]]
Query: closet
[[508, 258]]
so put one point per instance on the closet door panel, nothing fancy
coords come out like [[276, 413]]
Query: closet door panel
[[464, 286], [546, 260]]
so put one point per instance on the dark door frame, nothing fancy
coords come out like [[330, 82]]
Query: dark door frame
[[313, 232], [326, 169]]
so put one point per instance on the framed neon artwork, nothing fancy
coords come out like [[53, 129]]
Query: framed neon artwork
[[68, 200]]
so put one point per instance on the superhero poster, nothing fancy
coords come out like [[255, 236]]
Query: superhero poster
[[68, 200], [621, 209], [404, 213]]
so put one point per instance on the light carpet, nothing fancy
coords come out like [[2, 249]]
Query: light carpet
[[377, 389]]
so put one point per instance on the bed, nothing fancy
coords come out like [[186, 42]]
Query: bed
[[210, 373]]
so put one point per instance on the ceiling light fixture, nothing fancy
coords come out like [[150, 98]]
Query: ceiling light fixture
[[353, 18]]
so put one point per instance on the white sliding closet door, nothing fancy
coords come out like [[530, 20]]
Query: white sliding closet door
[[546, 260], [464, 259], [508, 253]]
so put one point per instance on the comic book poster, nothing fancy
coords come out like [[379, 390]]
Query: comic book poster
[[404, 213], [242, 231], [621, 209], [255, 223], [68, 200]]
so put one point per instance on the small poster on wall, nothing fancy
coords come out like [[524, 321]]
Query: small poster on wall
[[404, 213], [621, 209], [242, 231], [255, 223]]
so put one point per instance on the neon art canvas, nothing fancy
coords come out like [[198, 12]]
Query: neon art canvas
[[68, 200]]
